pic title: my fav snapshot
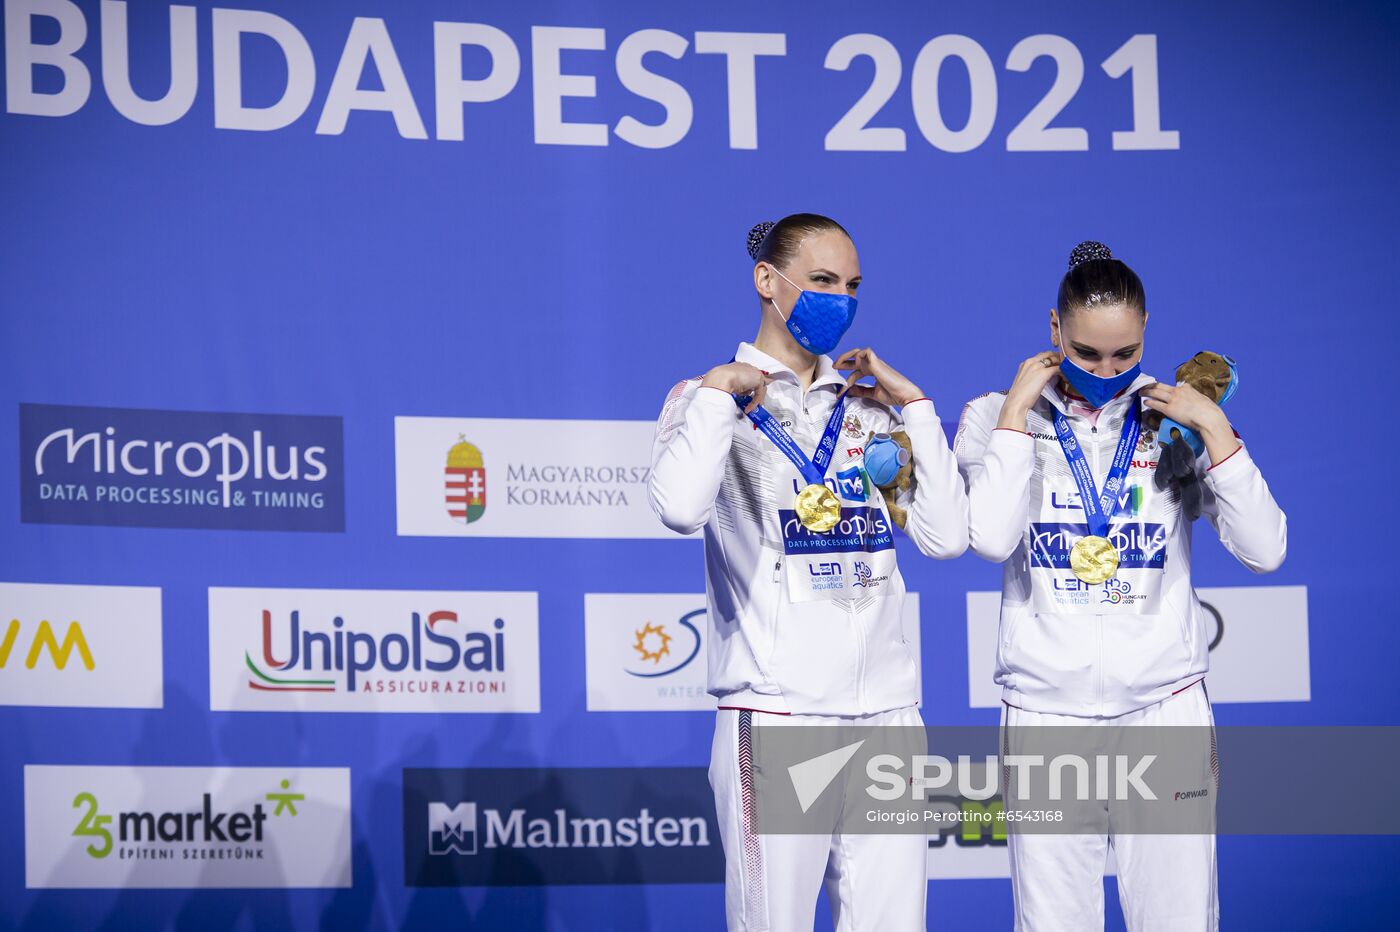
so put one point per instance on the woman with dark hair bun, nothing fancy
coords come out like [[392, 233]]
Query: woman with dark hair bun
[[804, 597], [1099, 622]]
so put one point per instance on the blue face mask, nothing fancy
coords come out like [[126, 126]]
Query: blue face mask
[[818, 320], [1096, 389]]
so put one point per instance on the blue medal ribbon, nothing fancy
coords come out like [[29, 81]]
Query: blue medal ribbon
[[813, 469], [1099, 507]]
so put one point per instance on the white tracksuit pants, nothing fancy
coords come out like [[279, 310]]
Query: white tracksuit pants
[[875, 883], [1165, 882]]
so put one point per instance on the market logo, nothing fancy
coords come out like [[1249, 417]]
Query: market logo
[[548, 478], [134, 467], [186, 827], [585, 825], [465, 478], [394, 651], [80, 646], [157, 831], [654, 651], [44, 639]]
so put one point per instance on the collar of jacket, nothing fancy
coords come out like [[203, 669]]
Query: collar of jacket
[[1051, 393], [826, 374]]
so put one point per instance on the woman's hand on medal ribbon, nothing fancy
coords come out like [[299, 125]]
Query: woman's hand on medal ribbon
[[1188, 407], [890, 387], [739, 378], [1031, 378]]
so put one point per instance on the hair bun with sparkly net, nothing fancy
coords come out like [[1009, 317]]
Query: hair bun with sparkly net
[[1088, 251], [756, 236]]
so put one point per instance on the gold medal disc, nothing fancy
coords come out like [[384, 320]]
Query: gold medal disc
[[1093, 559], [818, 508]]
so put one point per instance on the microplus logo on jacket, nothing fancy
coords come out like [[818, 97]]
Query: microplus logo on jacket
[[180, 469]]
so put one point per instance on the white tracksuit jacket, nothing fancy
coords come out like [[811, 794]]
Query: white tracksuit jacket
[[801, 623], [1070, 648]]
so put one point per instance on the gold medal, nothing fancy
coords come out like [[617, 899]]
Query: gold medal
[[1093, 559], [818, 508]]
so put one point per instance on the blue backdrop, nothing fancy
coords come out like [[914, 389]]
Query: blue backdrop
[[366, 275]]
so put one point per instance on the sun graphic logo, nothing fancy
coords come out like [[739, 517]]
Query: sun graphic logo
[[652, 642], [465, 482]]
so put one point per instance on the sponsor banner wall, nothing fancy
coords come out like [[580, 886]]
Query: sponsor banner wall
[[358, 650], [131, 827], [88, 646], [332, 335]]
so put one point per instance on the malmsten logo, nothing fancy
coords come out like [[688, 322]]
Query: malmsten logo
[[559, 825], [341, 659]]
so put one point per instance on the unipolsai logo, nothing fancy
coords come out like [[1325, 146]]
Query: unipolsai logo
[[338, 657], [465, 482], [662, 649], [365, 650]]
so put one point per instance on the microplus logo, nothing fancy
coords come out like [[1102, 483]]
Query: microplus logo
[[1139, 545], [186, 469], [342, 650]]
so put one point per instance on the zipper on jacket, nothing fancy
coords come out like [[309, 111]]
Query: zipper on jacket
[[778, 570], [860, 662], [1098, 619]]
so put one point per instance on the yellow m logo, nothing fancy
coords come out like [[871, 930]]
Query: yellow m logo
[[44, 637]]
